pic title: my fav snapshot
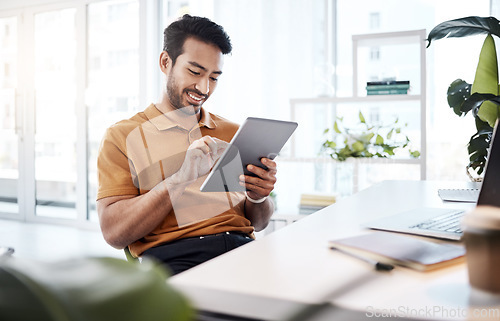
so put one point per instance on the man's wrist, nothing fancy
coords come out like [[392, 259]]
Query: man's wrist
[[258, 201]]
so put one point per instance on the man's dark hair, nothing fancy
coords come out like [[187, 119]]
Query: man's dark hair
[[199, 27]]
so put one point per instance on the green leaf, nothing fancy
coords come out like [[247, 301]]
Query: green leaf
[[464, 27], [458, 93], [486, 78], [330, 144], [485, 106], [362, 118], [358, 146], [414, 153], [475, 100], [483, 127], [478, 148], [365, 138], [489, 112], [389, 150], [336, 127], [379, 140], [389, 135]]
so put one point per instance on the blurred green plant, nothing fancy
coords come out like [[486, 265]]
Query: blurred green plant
[[366, 140], [90, 289], [481, 98]]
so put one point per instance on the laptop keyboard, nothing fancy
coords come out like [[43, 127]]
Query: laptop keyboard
[[449, 222]]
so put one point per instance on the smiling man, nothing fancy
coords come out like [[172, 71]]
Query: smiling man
[[151, 166]]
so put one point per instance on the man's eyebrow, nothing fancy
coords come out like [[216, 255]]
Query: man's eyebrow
[[197, 65]]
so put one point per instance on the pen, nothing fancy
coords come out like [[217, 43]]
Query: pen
[[379, 266]]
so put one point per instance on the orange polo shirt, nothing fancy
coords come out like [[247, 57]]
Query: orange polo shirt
[[138, 153]]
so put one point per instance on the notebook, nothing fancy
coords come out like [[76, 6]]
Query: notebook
[[444, 222], [390, 248]]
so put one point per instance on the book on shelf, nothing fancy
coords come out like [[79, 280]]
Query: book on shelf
[[310, 203], [403, 250], [386, 87], [387, 92], [389, 87], [309, 209], [388, 82]]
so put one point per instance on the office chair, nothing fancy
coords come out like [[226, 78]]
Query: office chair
[[129, 255]]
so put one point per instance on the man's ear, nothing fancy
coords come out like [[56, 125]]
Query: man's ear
[[165, 61]]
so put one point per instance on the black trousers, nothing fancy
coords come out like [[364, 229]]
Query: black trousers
[[183, 254]]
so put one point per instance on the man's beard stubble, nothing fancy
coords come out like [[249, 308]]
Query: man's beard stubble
[[176, 99]]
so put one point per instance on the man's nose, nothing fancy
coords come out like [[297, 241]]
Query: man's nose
[[203, 85]]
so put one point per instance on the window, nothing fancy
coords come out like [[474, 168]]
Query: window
[[78, 77], [374, 20], [374, 53], [55, 100], [113, 76], [9, 160]]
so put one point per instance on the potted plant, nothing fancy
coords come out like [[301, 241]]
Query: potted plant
[[481, 98], [366, 140]]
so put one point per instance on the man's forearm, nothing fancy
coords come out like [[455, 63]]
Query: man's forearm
[[259, 214], [128, 219]]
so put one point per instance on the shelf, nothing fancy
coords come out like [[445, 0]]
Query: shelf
[[359, 99], [360, 160], [388, 38]]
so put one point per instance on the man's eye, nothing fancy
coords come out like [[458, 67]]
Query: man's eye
[[193, 72], [213, 79]]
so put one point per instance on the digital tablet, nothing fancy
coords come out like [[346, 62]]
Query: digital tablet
[[255, 139]]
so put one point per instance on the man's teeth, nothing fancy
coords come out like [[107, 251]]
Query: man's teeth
[[194, 97]]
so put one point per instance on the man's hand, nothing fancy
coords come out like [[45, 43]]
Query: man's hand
[[263, 184], [200, 157]]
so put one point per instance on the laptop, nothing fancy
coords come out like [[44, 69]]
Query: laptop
[[445, 223]]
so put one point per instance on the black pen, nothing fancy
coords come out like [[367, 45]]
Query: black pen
[[379, 266]]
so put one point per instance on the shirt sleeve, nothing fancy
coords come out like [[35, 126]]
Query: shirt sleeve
[[115, 174]]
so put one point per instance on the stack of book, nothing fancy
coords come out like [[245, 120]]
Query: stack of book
[[391, 87], [310, 203]]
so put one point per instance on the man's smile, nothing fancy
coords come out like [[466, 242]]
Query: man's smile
[[194, 98]]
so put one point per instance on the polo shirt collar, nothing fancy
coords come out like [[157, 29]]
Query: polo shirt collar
[[206, 119], [164, 122]]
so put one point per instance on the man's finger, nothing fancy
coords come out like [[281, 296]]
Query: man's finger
[[269, 174], [270, 164], [221, 145], [261, 191], [257, 181], [211, 143]]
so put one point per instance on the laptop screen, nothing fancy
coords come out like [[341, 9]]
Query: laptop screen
[[490, 189]]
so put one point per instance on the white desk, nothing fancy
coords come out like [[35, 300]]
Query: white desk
[[293, 267]]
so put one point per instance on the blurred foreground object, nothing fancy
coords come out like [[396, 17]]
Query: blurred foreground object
[[482, 241], [96, 289]]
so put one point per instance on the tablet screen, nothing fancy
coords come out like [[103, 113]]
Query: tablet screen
[[255, 139]]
